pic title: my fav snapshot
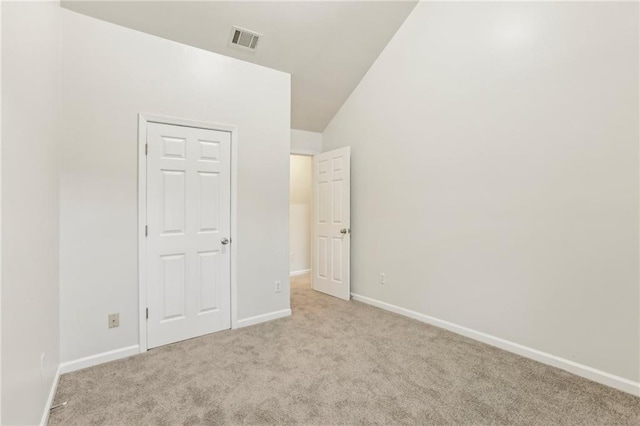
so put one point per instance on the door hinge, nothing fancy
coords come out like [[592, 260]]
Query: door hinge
[[146, 230], [147, 313], [146, 149]]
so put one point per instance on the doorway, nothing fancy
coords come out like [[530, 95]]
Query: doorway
[[319, 221], [300, 219]]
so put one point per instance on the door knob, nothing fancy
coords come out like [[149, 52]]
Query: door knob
[[343, 231], [224, 241]]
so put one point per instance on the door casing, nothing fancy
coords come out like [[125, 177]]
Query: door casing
[[143, 121]]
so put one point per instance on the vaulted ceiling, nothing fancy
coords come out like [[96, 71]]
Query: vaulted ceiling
[[327, 46]]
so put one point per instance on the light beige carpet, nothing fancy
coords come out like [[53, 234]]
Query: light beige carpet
[[335, 362]]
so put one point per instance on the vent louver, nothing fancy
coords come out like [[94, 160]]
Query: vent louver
[[244, 39]]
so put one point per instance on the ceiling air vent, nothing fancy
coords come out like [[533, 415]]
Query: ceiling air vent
[[244, 39]]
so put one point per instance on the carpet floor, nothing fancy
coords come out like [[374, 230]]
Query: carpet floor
[[335, 362]]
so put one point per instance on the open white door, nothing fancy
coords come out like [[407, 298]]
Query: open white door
[[332, 222]]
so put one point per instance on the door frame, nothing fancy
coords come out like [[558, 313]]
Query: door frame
[[143, 122]]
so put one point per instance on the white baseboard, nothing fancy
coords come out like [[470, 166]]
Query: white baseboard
[[92, 360], [264, 318], [581, 370], [52, 394], [300, 272]]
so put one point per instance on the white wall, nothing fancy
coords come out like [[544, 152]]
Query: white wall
[[300, 202], [495, 174], [30, 134], [304, 142], [110, 74]]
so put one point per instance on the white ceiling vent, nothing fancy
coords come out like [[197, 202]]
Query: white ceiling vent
[[244, 39]]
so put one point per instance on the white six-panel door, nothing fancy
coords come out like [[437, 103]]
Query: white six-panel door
[[332, 222], [188, 219]]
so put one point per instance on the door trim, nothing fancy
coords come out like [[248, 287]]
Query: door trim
[[143, 121]]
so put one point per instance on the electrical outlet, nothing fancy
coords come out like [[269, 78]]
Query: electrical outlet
[[114, 320], [382, 278], [278, 286]]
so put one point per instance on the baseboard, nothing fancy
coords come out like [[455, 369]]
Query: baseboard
[[300, 272], [97, 359], [264, 318], [581, 370], [52, 394], [79, 364]]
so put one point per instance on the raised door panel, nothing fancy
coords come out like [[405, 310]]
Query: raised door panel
[[322, 255], [172, 278], [173, 201], [209, 281], [209, 197]]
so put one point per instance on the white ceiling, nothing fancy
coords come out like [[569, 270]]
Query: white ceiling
[[327, 46]]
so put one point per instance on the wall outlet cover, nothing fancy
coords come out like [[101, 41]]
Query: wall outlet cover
[[114, 320]]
